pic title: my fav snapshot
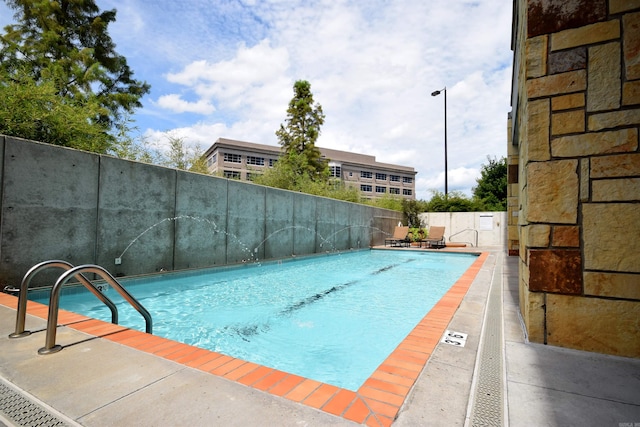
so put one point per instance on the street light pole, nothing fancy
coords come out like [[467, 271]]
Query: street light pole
[[436, 93]]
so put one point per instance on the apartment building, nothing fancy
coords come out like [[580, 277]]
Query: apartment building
[[244, 160]]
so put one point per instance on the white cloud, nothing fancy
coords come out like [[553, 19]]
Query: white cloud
[[249, 81], [175, 103]]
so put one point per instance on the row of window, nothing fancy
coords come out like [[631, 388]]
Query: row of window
[[237, 158], [257, 161], [237, 175], [232, 158], [335, 171], [366, 188], [383, 177], [232, 174]]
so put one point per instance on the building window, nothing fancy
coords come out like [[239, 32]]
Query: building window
[[394, 178], [335, 171], [252, 176], [394, 190], [366, 174], [232, 174], [258, 161], [380, 189], [211, 160], [366, 188], [407, 179], [272, 162], [232, 158], [381, 176], [407, 192]]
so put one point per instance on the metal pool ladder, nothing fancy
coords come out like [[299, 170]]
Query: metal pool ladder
[[54, 299]]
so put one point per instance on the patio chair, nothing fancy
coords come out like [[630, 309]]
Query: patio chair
[[435, 239], [399, 238]]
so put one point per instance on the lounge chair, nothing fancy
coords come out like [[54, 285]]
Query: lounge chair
[[435, 239], [399, 237]]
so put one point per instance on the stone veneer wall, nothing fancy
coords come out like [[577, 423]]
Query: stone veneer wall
[[574, 172]]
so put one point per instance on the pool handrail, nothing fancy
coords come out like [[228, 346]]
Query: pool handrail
[[54, 302], [21, 312], [462, 231]]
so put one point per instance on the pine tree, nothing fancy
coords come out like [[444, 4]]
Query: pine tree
[[492, 185], [298, 137], [66, 43]]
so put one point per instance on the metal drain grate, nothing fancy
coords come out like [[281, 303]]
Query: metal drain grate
[[488, 402], [19, 410]]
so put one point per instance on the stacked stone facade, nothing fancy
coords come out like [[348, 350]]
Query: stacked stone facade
[[574, 172]]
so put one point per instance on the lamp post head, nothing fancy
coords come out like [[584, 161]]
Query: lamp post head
[[435, 93]]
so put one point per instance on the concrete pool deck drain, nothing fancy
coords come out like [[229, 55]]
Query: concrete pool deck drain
[[487, 403], [126, 377], [18, 408]]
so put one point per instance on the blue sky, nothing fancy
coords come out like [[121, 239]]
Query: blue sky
[[226, 68]]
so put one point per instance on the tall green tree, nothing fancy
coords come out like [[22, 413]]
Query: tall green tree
[[174, 154], [180, 156], [66, 43], [131, 145], [298, 137], [491, 190], [411, 210], [35, 111]]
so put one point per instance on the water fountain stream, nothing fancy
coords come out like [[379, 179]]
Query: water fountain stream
[[251, 254]]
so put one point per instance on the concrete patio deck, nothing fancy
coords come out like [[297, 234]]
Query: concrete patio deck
[[97, 382]]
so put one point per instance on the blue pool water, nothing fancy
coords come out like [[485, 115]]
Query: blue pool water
[[331, 318]]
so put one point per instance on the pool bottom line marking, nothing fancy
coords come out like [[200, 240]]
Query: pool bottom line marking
[[246, 332]]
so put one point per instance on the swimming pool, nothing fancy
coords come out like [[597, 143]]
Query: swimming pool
[[332, 318]]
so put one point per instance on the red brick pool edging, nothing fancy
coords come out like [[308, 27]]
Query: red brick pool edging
[[376, 403]]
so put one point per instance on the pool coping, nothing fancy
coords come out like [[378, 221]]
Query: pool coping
[[376, 403]]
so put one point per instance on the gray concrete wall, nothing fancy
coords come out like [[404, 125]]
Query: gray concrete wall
[[59, 203], [473, 228]]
